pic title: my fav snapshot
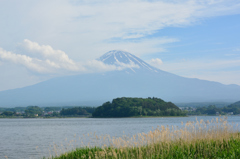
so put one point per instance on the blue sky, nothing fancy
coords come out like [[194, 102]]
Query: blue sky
[[43, 39]]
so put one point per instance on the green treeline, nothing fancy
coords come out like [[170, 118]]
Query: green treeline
[[127, 107], [35, 111], [203, 104], [16, 109], [77, 111], [235, 108], [232, 109]]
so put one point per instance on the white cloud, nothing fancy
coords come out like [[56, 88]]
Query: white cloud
[[54, 58], [156, 62], [47, 51], [121, 66], [86, 28], [98, 66], [137, 47], [53, 61], [24, 60]]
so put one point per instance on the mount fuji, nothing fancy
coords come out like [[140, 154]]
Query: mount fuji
[[118, 57], [138, 79]]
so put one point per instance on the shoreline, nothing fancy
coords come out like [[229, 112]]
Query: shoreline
[[110, 117], [21, 117], [166, 143]]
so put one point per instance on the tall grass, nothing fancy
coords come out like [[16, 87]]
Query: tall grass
[[196, 139]]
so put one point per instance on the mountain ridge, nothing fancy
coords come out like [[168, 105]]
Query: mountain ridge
[[96, 88], [118, 56]]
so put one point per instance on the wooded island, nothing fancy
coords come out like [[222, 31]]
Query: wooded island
[[133, 107], [119, 107]]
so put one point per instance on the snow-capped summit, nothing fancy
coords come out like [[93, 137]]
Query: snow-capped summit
[[142, 81], [117, 57]]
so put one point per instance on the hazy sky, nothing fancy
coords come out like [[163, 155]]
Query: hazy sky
[[42, 39]]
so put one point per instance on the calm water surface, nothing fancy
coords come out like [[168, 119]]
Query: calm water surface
[[35, 138]]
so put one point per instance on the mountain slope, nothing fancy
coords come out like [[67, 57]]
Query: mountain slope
[[117, 57], [236, 104], [143, 81]]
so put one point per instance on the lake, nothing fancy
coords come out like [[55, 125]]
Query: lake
[[35, 138]]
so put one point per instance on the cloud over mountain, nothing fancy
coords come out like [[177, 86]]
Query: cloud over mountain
[[70, 32], [56, 58], [44, 59], [156, 62], [141, 81]]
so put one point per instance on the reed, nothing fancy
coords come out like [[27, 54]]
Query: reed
[[196, 139]]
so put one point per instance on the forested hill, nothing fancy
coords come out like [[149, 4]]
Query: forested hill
[[236, 104], [235, 108], [127, 107]]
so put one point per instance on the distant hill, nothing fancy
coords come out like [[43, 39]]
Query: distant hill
[[128, 107], [232, 109], [236, 104], [235, 108], [203, 104], [142, 81]]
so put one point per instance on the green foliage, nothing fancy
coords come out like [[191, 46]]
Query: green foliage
[[77, 111], [47, 109], [8, 113], [16, 109], [236, 104], [235, 108], [202, 104], [127, 107], [212, 110], [89, 109], [199, 149], [31, 110]]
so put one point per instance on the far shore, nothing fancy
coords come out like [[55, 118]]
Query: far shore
[[104, 117]]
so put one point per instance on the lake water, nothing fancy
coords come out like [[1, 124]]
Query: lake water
[[35, 138]]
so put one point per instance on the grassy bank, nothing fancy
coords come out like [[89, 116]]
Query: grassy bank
[[199, 139], [200, 149]]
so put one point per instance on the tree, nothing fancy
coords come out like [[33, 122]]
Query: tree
[[73, 111], [8, 113], [32, 110]]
